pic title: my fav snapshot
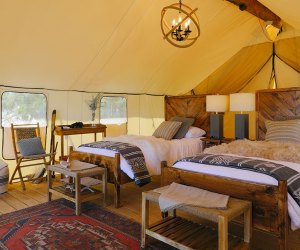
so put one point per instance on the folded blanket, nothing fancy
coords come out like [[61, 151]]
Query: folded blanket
[[131, 153], [177, 195]]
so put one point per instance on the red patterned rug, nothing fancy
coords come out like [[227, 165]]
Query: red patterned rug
[[54, 225]]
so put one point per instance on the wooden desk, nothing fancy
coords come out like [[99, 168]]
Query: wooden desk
[[86, 129]]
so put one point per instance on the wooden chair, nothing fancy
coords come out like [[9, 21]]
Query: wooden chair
[[23, 132]]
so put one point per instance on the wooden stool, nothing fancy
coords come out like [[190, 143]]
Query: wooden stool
[[78, 196], [186, 234]]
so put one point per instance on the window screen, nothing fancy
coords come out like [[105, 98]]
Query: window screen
[[113, 110], [23, 108]]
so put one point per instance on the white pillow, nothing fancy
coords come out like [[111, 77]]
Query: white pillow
[[194, 132]]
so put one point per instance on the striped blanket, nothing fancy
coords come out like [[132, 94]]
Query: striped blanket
[[277, 171], [131, 153]]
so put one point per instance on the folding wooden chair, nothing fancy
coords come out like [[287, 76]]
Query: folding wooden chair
[[28, 150]]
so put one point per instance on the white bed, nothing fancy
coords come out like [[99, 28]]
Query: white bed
[[154, 149]]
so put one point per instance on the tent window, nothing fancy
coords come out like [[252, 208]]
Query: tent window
[[23, 108], [113, 110]]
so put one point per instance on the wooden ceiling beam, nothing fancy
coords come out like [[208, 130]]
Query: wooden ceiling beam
[[257, 9]]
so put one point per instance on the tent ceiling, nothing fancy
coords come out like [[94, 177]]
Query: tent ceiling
[[238, 72], [233, 75], [117, 46]]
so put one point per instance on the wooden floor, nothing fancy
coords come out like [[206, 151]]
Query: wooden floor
[[35, 194]]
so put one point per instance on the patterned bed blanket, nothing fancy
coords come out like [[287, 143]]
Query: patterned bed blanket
[[277, 171], [131, 153]]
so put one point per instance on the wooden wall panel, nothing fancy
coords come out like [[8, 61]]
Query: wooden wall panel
[[188, 106], [275, 105]]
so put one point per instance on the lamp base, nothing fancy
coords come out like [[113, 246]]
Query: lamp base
[[241, 126], [216, 126]]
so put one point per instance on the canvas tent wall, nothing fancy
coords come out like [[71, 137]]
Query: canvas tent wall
[[60, 47], [145, 113]]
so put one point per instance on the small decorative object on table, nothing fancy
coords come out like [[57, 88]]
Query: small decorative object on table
[[76, 165]]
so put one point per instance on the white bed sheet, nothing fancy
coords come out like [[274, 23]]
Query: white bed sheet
[[293, 207], [154, 149]]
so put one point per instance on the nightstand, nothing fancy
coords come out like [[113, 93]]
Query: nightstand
[[209, 142]]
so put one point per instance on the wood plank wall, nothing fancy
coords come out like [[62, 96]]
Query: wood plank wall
[[188, 106], [276, 104]]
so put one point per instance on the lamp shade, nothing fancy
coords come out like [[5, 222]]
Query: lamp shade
[[216, 103], [242, 102]]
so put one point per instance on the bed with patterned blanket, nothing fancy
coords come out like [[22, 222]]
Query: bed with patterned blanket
[[154, 150], [140, 156], [273, 185]]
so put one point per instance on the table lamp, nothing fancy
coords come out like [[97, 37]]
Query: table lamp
[[242, 102], [216, 104]]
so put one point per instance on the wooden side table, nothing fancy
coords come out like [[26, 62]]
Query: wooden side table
[[184, 234], [78, 196]]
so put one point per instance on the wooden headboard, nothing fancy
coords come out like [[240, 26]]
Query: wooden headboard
[[188, 106], [275, 104]]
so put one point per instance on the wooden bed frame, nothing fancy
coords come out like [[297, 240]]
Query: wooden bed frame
[[185, 106], [114, 173], [269, 202]]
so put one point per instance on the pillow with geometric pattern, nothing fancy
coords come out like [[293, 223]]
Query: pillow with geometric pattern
[[31, 146]]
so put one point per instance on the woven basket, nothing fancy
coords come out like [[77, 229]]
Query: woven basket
[[4, 175]]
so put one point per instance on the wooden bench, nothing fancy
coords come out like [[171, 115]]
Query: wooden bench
[[184, 234]]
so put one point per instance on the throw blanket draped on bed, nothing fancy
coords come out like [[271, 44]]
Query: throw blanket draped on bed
[[277, 171], [131, 153], [278, 151]]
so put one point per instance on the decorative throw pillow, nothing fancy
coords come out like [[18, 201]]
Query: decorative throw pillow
[[167, 129], [31, 146], [288, 130], [186, 123], [195, 132]]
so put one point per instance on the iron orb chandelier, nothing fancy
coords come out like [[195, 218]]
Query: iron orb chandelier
[[180, 25]]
